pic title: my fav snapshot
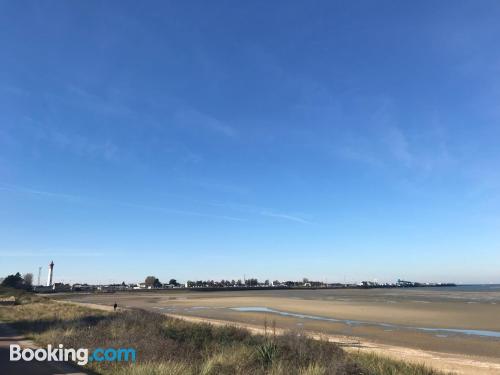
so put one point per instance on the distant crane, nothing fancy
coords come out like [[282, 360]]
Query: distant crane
[[39, 275]]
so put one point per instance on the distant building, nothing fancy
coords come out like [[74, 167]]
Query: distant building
[[404, 283], [61, 287], [141, 286], [335, 285], [82, 287], [55, 287], [43, 289]]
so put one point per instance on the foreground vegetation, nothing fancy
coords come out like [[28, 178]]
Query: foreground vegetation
[[171, 346]]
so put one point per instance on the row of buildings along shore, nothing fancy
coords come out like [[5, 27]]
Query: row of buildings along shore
[[152, 282]]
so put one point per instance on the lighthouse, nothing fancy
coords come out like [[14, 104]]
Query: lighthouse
[[51, 272]]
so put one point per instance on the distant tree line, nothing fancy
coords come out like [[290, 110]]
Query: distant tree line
[[252, 282], [19, 282], [154, 282]]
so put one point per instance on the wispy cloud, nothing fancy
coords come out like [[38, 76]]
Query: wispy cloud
[[356, 149], [104, 105], [14, 90], [221, 187], [180, 212], [194, 119], [285, 217], [81, 145], [369, 129], [398, 146], [244, 208], [67, 253], [380, 136], [24, 190], [262, 211], [83, 199], [64, 139], [392, 147]]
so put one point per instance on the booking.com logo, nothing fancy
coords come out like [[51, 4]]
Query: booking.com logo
[[80, 356]]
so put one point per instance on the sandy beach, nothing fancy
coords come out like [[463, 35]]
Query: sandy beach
[[449, 329]]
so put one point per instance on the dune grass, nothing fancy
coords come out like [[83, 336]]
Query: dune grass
[[171, 346], [378, 365]]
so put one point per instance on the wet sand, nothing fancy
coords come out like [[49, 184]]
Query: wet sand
[[376, 318]]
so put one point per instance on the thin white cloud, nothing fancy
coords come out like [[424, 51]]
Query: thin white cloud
[[29, 191], [262, 211], [65, 140], [81, 145], [109, 105], [180, 212], [398, 146], [14, 90], [354, 152], [285, 217], [221, 187], [82, 199], [192, 118], [68, 253]]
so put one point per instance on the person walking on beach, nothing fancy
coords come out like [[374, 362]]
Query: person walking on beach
[[115, 306]]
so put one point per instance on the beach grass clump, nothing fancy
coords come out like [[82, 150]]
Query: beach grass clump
[[267, 352], [21, 296], [165, 345], [151, 368], [376, 365]]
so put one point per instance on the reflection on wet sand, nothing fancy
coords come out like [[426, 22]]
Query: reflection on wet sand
[[358, 322]]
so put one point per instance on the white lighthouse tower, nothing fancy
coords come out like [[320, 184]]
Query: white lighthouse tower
[[51, 272]]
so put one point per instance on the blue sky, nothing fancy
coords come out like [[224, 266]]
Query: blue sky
[[272, 139]]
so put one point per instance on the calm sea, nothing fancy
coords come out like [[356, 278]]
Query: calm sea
[[469, 288]]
